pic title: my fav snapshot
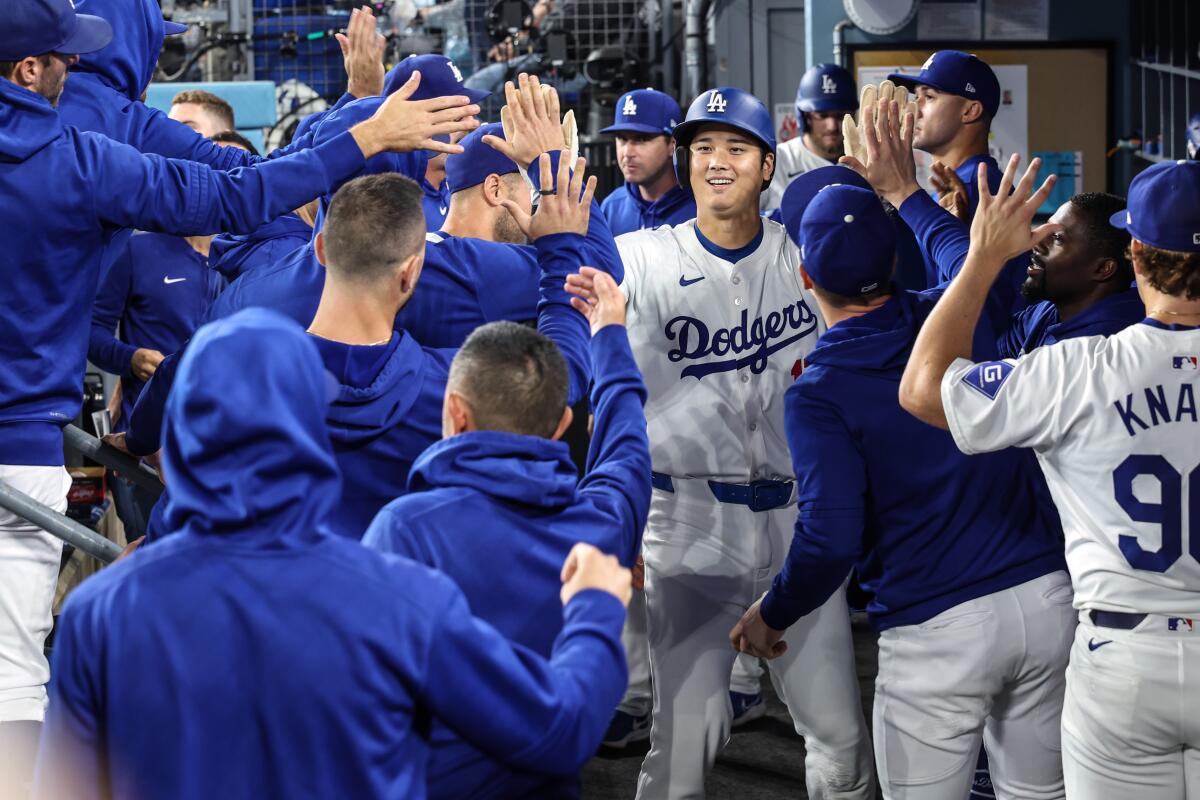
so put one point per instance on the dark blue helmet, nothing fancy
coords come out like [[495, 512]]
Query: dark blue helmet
[[728, 106], [825, 87]]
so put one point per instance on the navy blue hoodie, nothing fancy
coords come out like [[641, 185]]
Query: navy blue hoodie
[[64, 194], [233, 255], [1039, 324], [626, 210], [518, 499], [289, 662], [927, 526], [159, 290]]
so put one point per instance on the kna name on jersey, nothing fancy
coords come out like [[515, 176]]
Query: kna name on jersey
[[759, 339]]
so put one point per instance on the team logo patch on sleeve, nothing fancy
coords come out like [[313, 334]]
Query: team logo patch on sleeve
[[987, 377], [1186, 362]]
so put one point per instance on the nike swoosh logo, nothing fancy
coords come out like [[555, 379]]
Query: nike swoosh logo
[[689, 281], [1094, 645], [441, 209], [173, 280], [794, 174]]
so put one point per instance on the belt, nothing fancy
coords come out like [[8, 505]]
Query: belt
[[1116, 619], [759, 495]]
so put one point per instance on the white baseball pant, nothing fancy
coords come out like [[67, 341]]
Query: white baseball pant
[[1131, 721], [990, 669], [29, 560], [706, 563]]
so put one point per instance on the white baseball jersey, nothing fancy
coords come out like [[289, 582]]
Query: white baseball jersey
[[1114, 422], [792, 158], [718, 344]]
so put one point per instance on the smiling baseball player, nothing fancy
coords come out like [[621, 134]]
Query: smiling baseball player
[[720, 322], [1113, 422]]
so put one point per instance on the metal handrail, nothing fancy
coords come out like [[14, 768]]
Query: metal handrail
[[129, 466], [56, 524]]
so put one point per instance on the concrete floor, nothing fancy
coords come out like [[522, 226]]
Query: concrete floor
[[764, 759]]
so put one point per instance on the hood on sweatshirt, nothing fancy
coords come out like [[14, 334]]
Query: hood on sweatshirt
[[245, 445], [528, 470], [233, 254], [127, 64], [359, 415], [877, 342], [27, 123]]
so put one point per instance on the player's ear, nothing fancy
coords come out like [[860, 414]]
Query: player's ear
[[319, 247], [563, 423], [768, 166], [456, 415], [493, 190], [1105, 269], [972, 112]]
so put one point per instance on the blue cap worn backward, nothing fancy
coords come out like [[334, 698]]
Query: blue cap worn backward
[[477, 160], [440, 77], [956, 72], [1163, 209], [849, 244], [645, 111], [804, 188], [37, 27]]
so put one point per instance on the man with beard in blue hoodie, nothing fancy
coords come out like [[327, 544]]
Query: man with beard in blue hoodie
[[962, 554], [290, 662], [510, 486], [64, 194]]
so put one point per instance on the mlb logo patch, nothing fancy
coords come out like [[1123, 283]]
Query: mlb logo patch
[[988, 376], [1190, 363], [1183, 624]]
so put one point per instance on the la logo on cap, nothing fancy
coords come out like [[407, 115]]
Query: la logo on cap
[[827, 85], [716, 103], [630, 107], [454, 68], [928, 62]]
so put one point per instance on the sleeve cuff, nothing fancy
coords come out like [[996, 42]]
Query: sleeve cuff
[[774, 614]]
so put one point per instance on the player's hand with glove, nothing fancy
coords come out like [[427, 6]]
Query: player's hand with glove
[[362, 54], [887, 140], [597, 297], [754, 636], [952, 192], [564, 209], [588, 568], [531, 122], [872, 96], [402, 125]]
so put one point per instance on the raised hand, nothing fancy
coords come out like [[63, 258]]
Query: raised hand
[[531, 121], [598, 298], [952, 192], [588, 568], [1000, 229], [564, 209], [362, 53], [887, 142], [402, 125]]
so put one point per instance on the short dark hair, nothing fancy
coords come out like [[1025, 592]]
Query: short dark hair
[[513, 378], [1105, 240], [233, 137], [7, 68], [1171, 271], [211, 103], [374, 223]]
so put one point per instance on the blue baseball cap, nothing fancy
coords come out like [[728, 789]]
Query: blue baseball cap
[[645, 111], [36, 27], [804, 188], [173, 28], [440, 77], [477, 160], [1163, 209], [956, 72], [849, 244]]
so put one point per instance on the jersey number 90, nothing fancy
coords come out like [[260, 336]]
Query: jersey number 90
[[1167, 513]]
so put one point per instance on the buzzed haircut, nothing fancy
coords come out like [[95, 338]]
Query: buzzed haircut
[[513, 378], [215, 106], [233, 137], [374, 223], [1105, 240]]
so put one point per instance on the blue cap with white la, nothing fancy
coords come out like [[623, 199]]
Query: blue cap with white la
[[37, 27], [804, 188], [645, 111], [1163, 209], [440, 77], [848, 243], [959, 73], [477, 160]]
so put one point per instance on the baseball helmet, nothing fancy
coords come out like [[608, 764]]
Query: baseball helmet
[[825, 87], [728, 106]]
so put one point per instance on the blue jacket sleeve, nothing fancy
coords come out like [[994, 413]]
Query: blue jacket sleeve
[[617, 477], [831, 485], [146, 420], [560, 255], [510, 703], [943, 237], [105, 350], [133, 190], [600, 250]]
